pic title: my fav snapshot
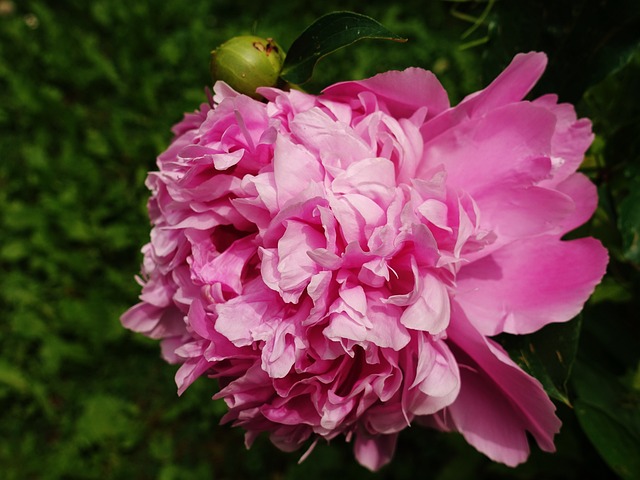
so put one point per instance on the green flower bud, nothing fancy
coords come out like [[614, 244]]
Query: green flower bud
[[246, 63]]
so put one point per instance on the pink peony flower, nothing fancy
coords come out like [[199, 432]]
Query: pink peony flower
[[340, 262]]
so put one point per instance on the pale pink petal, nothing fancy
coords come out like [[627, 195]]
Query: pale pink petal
[[357, 215], [222, 91], [294, 168], [324, 258], [344, 328], [430, 312], [294, 265], [142, 317], [239, 318], [371, 177], [386, 329], [437, 381], [335, 143], [279, 352], [374, 452]]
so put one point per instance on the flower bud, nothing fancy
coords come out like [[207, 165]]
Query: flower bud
[[246, 63]]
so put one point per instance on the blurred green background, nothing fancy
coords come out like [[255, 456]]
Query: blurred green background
[[88, 93]]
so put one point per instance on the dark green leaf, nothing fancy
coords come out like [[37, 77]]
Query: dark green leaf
[[585, 43], [629, 223], [327, 34], [610, 416], [547, 354], [107, 417], [13, 377]]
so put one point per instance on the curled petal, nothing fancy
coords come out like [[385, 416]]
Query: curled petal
[[498, 403]]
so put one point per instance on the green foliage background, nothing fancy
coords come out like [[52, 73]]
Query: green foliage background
[[88, 92]]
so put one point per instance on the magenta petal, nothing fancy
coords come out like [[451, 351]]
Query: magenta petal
[[498, 402], [512, 144], [227, 267], [403, 92], [529, 283], [571, 138], [585, 200], [189, 373], [526, 211], [153, 321], [510, 86]]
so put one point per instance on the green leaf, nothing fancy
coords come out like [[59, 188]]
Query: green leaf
[[13, 377], [328, 34], [547, 354], [106, 417], [610, 416], [629, 223]]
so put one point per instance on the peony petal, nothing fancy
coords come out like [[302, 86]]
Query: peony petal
[[530, 283], [295, 267], [510, 86], [279, 353], [387, 418], [525, 211], [294, 167], [437, 378], [402, 92], [374, 452], [498, 403], [239, 318], [335, 143], [357, 215], [430, 312], [508, 146], [585, 200], [227, 267], [154, 322], [571, 139], [371, 177], [386, 331], [189, 373]]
